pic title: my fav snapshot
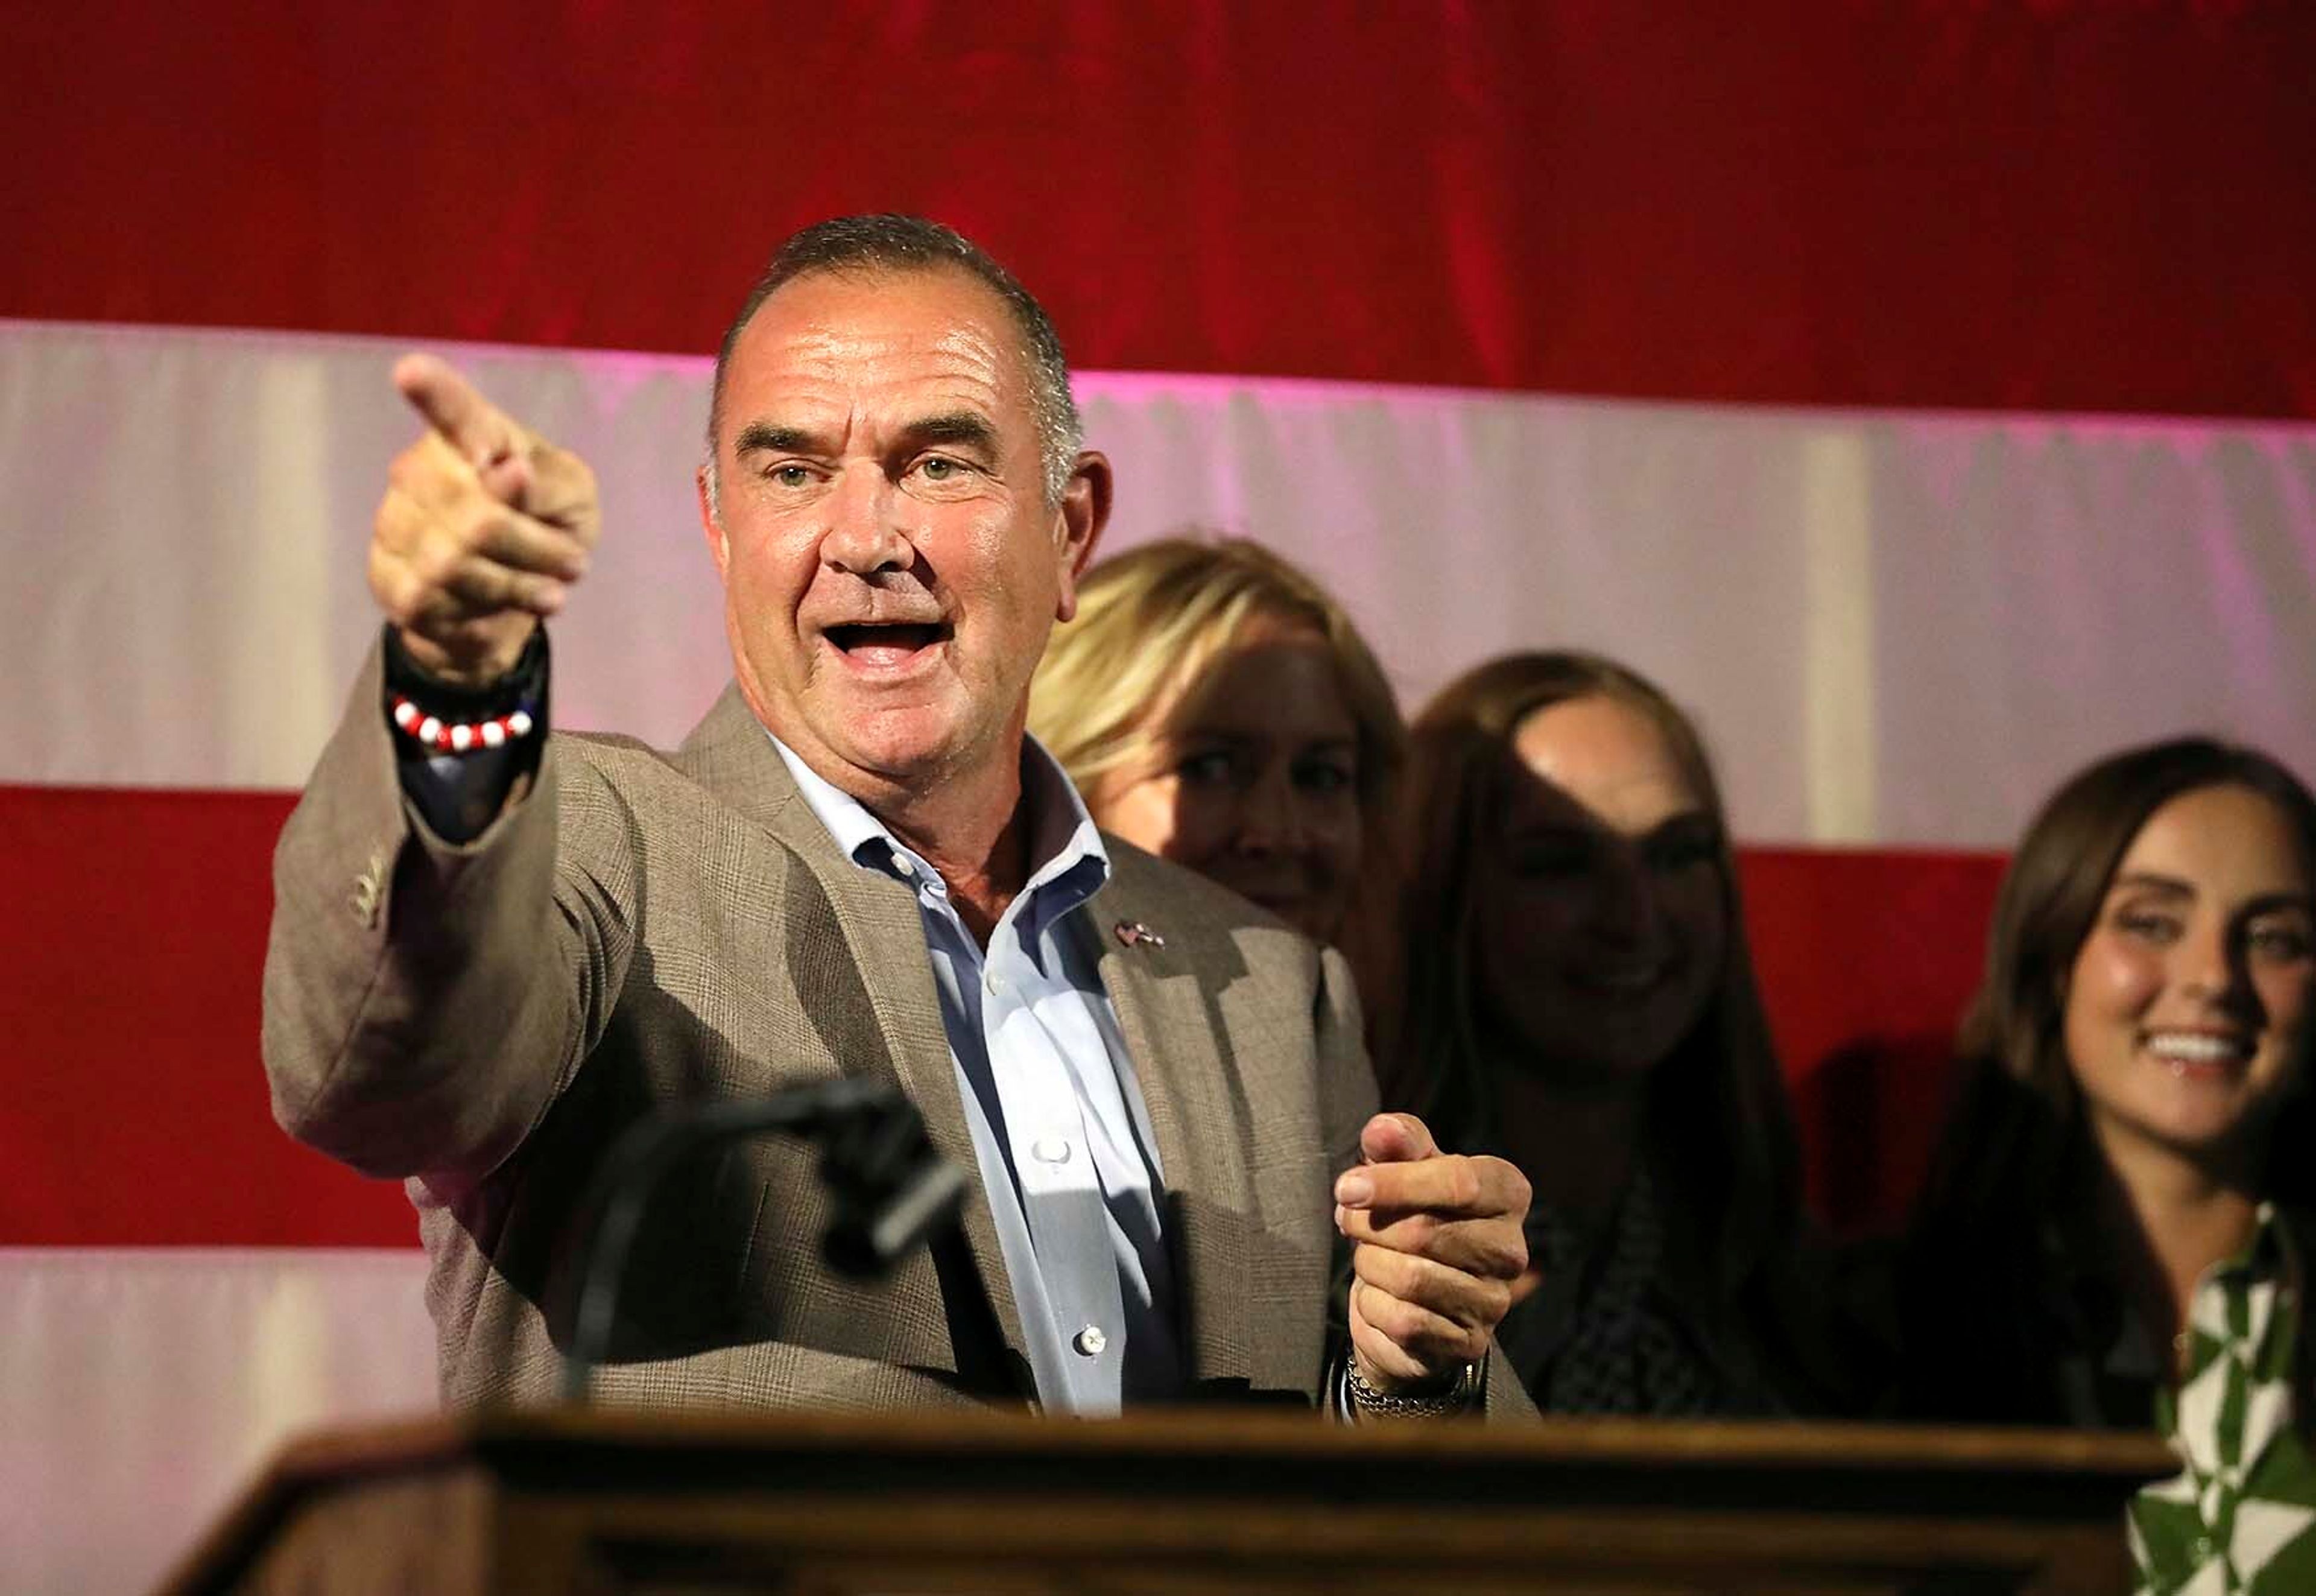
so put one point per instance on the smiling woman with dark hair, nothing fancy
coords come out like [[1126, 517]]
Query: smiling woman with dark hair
[[1577, 993], [2116, 1228]]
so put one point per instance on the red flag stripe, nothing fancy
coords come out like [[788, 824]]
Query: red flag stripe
[[134, 939], [2062, 206]]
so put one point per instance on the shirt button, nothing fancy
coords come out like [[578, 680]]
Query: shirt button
[[1050, 1149], [1090, 1341], [995, 983], [901, 863]]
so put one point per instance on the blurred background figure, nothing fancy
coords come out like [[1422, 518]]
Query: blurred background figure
[[1217, 707], [2115, 1229], [1576, 993]]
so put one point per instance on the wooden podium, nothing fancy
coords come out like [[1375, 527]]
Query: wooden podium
[[1175, 1503]]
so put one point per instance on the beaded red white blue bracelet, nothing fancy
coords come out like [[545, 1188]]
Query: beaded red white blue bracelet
[[460, 737]]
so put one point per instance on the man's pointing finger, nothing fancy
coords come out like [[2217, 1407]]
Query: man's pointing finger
[[454, 408]]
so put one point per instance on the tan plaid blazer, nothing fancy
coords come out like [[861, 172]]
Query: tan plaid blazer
[[482, 1021]]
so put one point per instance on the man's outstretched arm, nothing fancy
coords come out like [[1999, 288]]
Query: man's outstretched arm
[[425, 998]]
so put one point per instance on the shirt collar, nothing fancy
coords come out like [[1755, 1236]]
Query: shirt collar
[[2120, 1342], [2266, 1254], [2077, 1249], [1068, 865]]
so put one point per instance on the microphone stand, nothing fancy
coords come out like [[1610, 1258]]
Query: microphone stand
[[892, 1189]]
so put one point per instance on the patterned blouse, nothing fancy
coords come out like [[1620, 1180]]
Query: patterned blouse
[[2237, 1516], [1613, 1330]]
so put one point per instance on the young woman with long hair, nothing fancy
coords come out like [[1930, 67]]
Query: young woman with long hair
[[1575, 992], [2114, 1229]]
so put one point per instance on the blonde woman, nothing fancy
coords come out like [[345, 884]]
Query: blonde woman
[[1216, 706]]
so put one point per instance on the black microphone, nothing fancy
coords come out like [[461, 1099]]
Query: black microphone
[[893, 1189]]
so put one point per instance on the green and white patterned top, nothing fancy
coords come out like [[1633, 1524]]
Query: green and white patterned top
[[2237, 1518]]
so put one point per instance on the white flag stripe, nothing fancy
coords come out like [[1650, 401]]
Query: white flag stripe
[[142, 1389], [1839, 678], [1898, 627]]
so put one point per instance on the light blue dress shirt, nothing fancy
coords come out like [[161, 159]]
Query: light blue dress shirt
[[1059, 1128]]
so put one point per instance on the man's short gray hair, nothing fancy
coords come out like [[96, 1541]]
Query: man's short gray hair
[[888, 243]]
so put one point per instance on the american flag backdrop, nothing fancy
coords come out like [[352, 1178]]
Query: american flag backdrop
[[1923, 392]]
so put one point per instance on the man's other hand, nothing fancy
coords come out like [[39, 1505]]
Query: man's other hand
[[1437, 1248], [484, 528]]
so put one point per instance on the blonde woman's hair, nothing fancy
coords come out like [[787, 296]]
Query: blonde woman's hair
[[1149, 623]]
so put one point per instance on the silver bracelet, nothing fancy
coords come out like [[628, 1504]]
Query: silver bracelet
[[1458, 1397]]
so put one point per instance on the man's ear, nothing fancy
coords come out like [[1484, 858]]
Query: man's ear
[[717, 544], [1084, 512]]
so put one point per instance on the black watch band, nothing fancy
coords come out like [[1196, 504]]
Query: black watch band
[[524, 687]]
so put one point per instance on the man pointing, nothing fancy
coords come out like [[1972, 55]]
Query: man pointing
[[494, 949]]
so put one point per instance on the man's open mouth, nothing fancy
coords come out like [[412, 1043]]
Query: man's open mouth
[[885, 642]]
